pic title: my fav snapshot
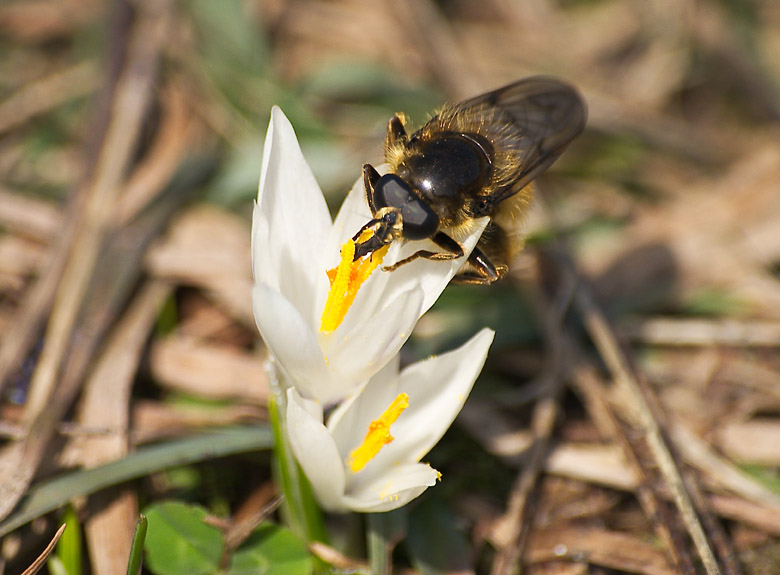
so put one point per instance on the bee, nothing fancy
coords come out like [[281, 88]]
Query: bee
[[473, 159]]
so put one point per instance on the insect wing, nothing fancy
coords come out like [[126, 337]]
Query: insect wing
[[529, 123]]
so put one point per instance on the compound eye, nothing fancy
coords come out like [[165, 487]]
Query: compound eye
[[419, 220], [390, 191]]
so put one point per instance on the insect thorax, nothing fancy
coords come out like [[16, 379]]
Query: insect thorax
[[446, 170]]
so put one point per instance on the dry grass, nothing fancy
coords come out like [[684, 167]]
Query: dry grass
[[641, 417]]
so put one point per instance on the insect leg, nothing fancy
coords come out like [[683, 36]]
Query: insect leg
[[365, 226], [370, 178], [485, 271], [396, 133], [454, 251]]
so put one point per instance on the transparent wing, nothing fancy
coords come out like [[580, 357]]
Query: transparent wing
[[529, 123]]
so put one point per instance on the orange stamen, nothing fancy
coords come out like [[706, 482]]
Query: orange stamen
[[378, 434], [345, 281]]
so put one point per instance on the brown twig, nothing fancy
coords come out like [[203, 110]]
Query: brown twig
[[517, 520], [30, 315], [47, 93], [435, 40], [40, 561], [28, 217], [174, 138], [641, 413], [337, 559], [132, 98], [106, 402], [703, 332], [19, 460], [595, 396], [261, 503]]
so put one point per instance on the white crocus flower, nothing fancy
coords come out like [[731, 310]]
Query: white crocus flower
[[294, 242], [367, 458]]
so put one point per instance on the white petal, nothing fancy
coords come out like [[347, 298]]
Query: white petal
[[432, 276], [295, 220], [437, 389], [312, 407], [289, 339], [263, 261], [366, 349], [316, 453], [348, 423], [393, 490], [352, 215]]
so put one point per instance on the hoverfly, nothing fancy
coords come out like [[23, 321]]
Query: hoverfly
[[473, 159]]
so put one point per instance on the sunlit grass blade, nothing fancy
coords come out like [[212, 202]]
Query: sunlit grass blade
[[137, 546], [50, 495], [69, 549]]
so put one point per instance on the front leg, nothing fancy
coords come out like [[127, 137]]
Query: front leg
[[454, 251], [370, 178]]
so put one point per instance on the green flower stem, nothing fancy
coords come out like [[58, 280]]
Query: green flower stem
[[385, 530], [299, 508]]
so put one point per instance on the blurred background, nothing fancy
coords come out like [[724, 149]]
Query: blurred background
[[131, 136]]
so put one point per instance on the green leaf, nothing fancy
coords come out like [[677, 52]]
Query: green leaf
[[272, 550], [168, 318], [179, 542], [137, 547], [233, 58], [69, 549], [714, 303], [50, 495], [55, 566], [370, 87], [236, 180], [227, 33]]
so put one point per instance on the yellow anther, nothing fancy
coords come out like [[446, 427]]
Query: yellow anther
[[378, 434], [345, 281]]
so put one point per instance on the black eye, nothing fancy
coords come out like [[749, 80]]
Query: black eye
[[419, 220]]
